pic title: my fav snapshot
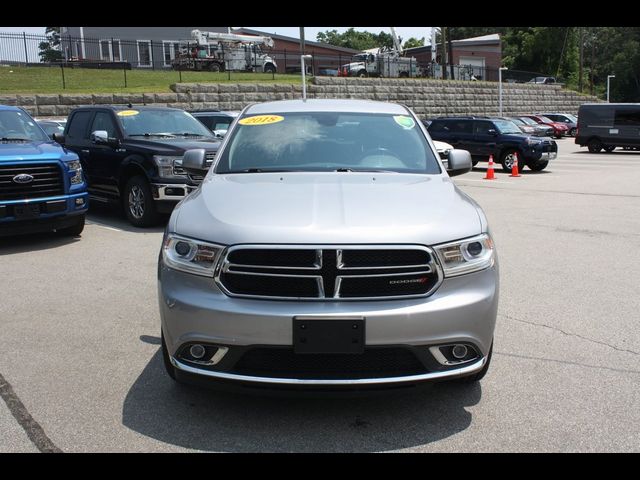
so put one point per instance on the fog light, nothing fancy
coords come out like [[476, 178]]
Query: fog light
[[79, 201], [459, 351], [197, 351]]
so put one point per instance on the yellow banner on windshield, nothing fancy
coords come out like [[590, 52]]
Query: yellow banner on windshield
[[261, 120], [127, 113]]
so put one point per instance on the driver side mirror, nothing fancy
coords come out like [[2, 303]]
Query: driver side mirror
[[459, 162], [492, 131], [101, 137], [194, 162]]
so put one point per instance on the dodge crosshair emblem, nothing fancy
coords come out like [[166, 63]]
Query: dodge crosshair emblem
[[23, 178]]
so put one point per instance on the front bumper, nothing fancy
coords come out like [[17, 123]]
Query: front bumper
[[50, 213], [194, 310], [171, 191]]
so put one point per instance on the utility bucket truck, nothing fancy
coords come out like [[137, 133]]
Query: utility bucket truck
[[217, 52], [385, 62]]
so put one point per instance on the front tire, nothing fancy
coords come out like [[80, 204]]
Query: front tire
[[74, 230], [269, 68], [538, 166], [138, 203], [508, 158]]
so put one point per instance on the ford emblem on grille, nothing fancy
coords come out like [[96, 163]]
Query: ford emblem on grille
[[23, 178]]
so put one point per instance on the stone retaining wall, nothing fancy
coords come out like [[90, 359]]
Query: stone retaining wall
[[428, 98]]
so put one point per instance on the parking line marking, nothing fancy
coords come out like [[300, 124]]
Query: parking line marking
[[105, 226], [31, 427]]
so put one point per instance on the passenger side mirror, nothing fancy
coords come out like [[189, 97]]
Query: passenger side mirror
[[58, 137], [194, 162], [459, 162], [492, 131]]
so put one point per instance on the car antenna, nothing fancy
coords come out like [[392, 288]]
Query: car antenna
[[129, 105]]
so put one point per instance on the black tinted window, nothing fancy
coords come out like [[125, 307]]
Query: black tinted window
[[78, 125], [627, 117], [437, 126], [460, 126], [103, 121], [483, 127]]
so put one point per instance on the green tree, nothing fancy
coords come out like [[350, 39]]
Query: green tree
[[413, 42], [355, 39], [50, 49]]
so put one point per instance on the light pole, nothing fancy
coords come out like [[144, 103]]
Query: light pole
[[609, 77], [500, 85], [304, 81]]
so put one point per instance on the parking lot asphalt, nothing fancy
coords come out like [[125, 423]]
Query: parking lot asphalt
[[80, 340]]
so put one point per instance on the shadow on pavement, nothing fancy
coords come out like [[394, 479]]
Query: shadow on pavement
[[34, 242], [114, 217], [203, 419]]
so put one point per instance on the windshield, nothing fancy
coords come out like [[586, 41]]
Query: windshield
[[507, 126], [327, 141], [19, 126], [162, 123], [545, 119], [528, 121], [517, 121]]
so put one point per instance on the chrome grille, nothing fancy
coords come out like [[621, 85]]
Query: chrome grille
[[328, 272]]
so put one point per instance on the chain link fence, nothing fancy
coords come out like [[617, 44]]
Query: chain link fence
[[179, 61]]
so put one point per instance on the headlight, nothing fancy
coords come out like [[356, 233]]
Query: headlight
[[191, 256], [532, 141], [167, 166], [466, 256], [75, 172]]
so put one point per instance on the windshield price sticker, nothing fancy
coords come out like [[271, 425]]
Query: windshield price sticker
[[404, 121], [261, 120], [128, 113]]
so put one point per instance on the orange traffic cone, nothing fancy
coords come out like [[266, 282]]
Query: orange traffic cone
[[490, 173], [514, 169]]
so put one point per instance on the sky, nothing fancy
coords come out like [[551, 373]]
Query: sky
[[309, 32]]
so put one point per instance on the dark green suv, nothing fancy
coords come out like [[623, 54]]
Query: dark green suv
[[484, 136]]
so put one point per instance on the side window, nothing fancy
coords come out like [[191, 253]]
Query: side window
[[208, 121], [78, 125], [103, 121], [483, 127], [437, 126], [627, 117], [460, 126]]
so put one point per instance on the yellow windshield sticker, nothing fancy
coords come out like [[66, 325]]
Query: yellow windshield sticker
[[404, 121], [128, 113], [261, 120]]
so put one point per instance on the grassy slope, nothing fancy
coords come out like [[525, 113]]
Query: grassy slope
[[79, 80]]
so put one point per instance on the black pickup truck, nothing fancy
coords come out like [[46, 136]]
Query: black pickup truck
[[133, 155]]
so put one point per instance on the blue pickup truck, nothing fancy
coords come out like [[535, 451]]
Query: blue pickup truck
[[42, 186]]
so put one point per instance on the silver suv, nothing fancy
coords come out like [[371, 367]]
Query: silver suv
[[327, 247]]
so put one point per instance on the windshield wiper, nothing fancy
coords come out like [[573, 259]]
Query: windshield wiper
[[258, 170], [170, 135], [189, 134], [15, 139]]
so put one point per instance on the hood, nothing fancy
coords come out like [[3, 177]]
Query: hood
[[327, 208], [10, 151], [172, 145]]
